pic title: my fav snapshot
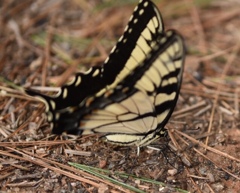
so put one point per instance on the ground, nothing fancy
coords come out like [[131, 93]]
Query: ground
[[43, 43]]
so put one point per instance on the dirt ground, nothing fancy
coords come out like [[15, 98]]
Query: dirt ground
[[43, 43]]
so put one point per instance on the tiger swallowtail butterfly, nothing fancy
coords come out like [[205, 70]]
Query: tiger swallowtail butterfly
[[130, 98]]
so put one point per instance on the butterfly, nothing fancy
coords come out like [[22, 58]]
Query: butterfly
[[130, 98]]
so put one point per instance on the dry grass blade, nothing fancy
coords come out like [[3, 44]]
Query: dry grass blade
[[207, 147], [225, 70], [46, 163], [77, 152], [189, 109], [35, 143], [196, 142]]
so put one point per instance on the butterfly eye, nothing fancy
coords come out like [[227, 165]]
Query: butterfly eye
[[130, 98]]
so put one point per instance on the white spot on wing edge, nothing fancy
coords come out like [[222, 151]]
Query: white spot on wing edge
[[141, 12], [57, 116], [130, 19], [88, 71], [64, 93], [113, 49], [135, 21], [49, 117], [106, 60], [78, 81], [136, 8], [96, 73], [71, 81], [145, 4], [53, 104]]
